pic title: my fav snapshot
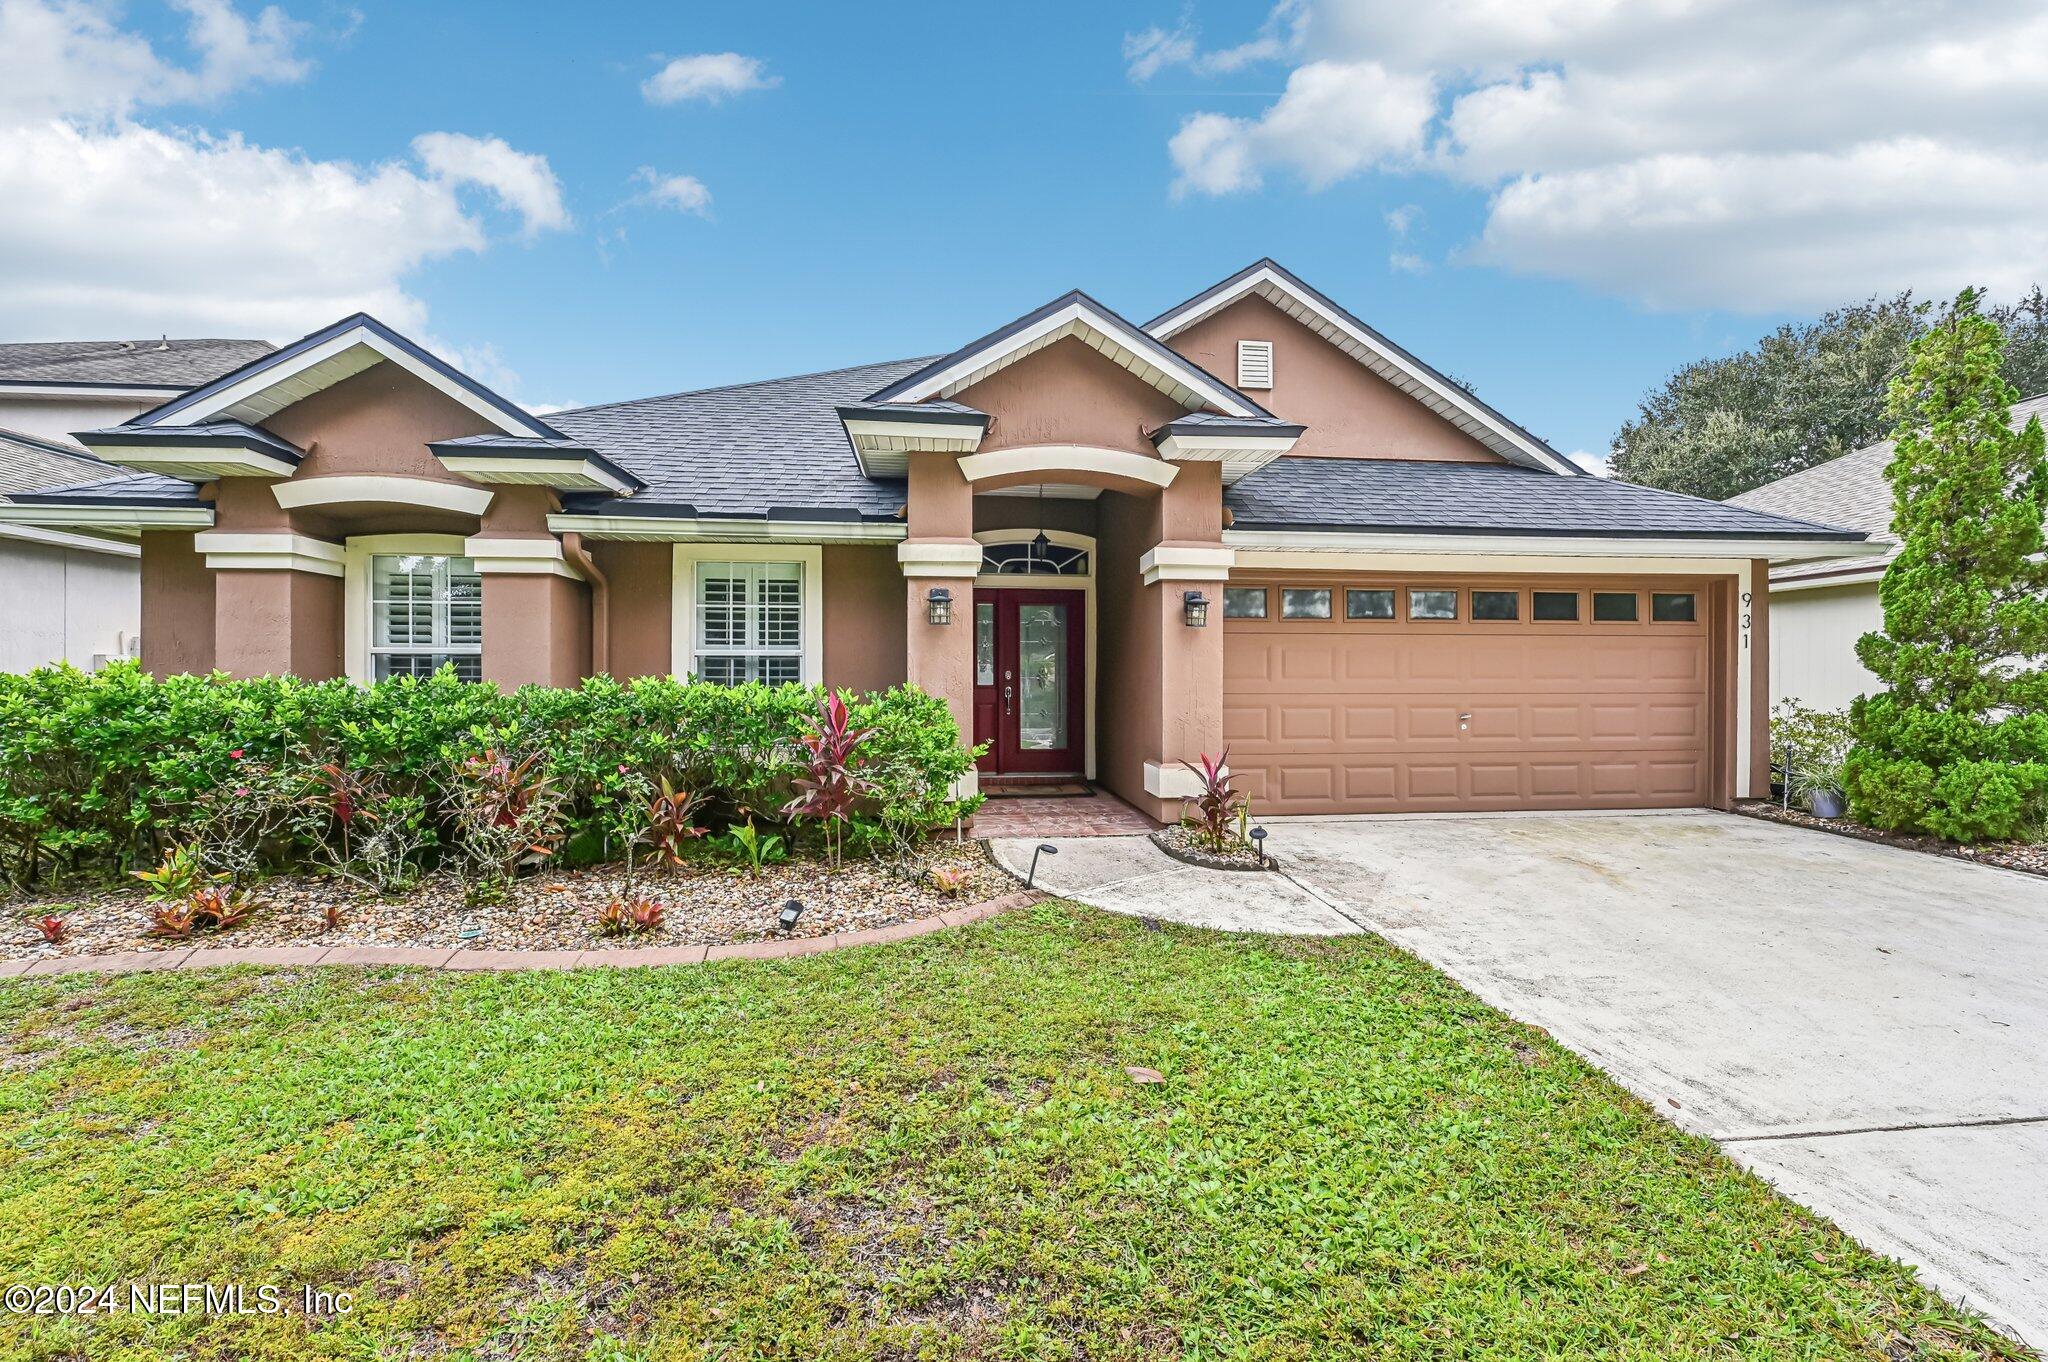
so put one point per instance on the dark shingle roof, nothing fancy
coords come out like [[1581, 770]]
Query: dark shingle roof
[[146, 363], [1398, 496], [126, 489], [745, 450], [28, 463], [212, 435]]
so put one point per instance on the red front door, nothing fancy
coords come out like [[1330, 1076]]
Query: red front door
[[1029, 680]]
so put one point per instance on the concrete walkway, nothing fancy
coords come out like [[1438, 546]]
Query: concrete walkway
[[1131, 875], [1865, 1027]]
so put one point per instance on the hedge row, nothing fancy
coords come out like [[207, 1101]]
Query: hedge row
[[100, 772]]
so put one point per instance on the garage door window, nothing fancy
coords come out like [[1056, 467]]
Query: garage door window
[[1305, 603], [1555, 606], [1673, 607], [1368, 605], [1432, 605], [1496, 605], [1244, 602], [1614, 607]]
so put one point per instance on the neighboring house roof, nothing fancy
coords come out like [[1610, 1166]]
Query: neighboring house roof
[[1852, 491], [1405, 496], [28, 463], [1319, 313], [745, 450], [125, 489], [169, 364]]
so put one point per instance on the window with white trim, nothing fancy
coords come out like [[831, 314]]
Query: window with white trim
[[426, 611], [750, 623]]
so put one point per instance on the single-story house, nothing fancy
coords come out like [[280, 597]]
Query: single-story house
[[74, 595], [1823, 607], [1252, 522]]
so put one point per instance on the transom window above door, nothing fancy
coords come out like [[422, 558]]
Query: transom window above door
[[1022, 559], [749, 622], [426, 612]]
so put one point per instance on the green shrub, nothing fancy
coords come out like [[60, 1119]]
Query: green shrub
[[1810, 746], [104, 771]]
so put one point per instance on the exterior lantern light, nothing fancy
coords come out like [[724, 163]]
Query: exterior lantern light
[[938, 606], [1044, 849], [1195, 609], [791, 911], [1259, 843]]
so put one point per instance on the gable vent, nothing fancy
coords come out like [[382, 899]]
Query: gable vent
[[1255, 364]]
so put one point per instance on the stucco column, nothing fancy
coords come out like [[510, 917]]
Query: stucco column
[[277, 603], [536, 618], [1189, 722], [940, 553]]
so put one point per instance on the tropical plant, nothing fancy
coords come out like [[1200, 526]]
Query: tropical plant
[[52, 927], [218, 907], [507, 815], [630, 917], [750, 849], [671, 822], [949, 880], [1218, 805], [1957, 743], [832, 782], [178, 876]]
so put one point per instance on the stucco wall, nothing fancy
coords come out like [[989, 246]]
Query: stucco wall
[[65, 605], [1069, 393], [1813, 644], [642, 581], [866, 627], [177, 605], [1127, 693], [1350, 412]]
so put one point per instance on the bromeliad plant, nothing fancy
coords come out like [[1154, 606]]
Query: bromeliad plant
[[1218, 805], [832, 782], [212, 908], [508, 814], [178, 876], [630, 917]]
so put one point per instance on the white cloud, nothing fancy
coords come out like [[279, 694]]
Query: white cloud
[[1148, 53], [1407, 262], [710, 76], [1593, 463], [113, 227], [1401, 220], [684, 193], [1760, 154], [519, 180]]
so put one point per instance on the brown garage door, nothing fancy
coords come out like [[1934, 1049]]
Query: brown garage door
[[1419, 694]]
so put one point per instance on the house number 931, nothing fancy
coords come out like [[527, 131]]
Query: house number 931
[[1745, 621]]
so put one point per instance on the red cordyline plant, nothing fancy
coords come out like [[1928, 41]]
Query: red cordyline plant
[[669, 824], [1217, 806], [831, 783], [52, 927]]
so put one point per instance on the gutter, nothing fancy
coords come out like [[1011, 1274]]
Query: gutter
[[600, 603]]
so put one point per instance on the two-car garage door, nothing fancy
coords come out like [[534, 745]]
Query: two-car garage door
[[1383, 695]]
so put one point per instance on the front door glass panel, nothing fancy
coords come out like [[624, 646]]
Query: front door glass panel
[[984, 643], [1041, 677]]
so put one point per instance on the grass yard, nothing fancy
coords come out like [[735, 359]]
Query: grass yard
[[929, 1149]]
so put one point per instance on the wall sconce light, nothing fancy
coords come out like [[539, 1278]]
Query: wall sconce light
[[1195, 609], [938, 606]]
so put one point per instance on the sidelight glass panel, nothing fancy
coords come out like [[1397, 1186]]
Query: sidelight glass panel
[[1041, 677], [984, 643]]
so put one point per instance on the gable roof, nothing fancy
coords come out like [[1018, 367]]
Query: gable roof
[[1849, 490], [267, 385], [29, 463], [1080, 316], [166, 363], [1417, 497], [1315, 310]]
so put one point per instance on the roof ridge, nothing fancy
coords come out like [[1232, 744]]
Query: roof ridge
[[735, 387]]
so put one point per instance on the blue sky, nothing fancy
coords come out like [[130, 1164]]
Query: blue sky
[[900, 179]]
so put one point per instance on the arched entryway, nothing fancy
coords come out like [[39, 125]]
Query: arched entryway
[[1034, 630]]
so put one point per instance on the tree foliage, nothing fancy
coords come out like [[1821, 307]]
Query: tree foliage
[[1801, 395], [1955, 744]]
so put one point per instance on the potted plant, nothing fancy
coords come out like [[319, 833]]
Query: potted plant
[[1819, 788]]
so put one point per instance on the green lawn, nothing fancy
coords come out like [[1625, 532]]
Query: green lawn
[[929, 1149]]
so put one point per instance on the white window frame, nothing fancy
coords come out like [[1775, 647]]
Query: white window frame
[[357, 660], [810, 561]]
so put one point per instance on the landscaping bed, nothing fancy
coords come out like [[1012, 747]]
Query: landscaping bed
[[2023, 856], [705, 904], [1184, 843]]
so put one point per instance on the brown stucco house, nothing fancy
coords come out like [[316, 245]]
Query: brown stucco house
[[1254, 521]]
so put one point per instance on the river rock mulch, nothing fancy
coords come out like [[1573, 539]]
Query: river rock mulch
[[2024, 856], [1179, 842], [707, 905]]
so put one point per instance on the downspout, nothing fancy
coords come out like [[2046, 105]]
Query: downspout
[[600, 603]]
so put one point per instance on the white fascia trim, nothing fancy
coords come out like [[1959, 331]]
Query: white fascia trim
[[1172, 781], [88, 392], [379, 489], [270, 552], [1170, 563], [1068, 459], [692, 530], [683, 598], [939, 560], [533, 557], [570, 472], [951, 436], [128, 518], [1449, 394], [942, 383], [222, 402], [1321, 541], [199, 465], [1217, 448], [59, 539], [1862, 577]]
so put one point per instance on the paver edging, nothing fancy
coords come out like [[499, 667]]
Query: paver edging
[[452, 958]]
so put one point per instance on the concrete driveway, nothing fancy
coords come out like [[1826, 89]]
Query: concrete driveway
[[1866, 1028]]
